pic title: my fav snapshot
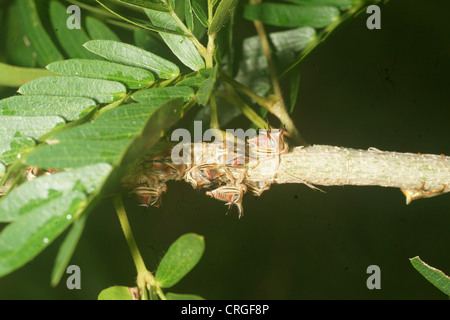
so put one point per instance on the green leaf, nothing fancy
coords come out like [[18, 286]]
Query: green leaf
[[193, 82], [207, 87], [181, 46], [70, 108], [19, 51], [12, 76], [109, 137], [189, 17], [253, 69], [66, 249], [138, 22], [102, 91], [133, 56], [23, 239], [73, 154], [181, 257], [132, 77], [99, 31], [115, 293], [182, 296], [150, 42], [70, 39], [200, 13], [147, 4], [285, 15], [294, 87], [163, 94], [12, 149], [439, 279], [38, 191], [55, 205], [40, 41], [221, 15], [17, 133], [341, 4]]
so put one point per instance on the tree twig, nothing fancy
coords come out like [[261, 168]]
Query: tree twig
[[417, 175]]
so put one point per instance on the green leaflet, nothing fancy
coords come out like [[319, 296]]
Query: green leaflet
[[99, 31], [181, 257], [285, 15], [70, 39], [150, 42], [46, 51], [163, 94], [200, 13], [70, 108], [17, 134], [439, 279], [115, 293], [181, 46], [55, 204], [341, 4], [67, 248], [206, 88], [132, 77], [253, 70], [138, 22], [19, 51], [25, 238], [44, 188], [102, 91], [12, 149], [193, 82], [78, 153], [181, 296], [222, 13], [12, 76], [133, 56], [188, 15], [294, 87], [100, 131], [147, 4]]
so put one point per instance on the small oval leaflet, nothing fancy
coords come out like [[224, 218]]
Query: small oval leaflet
[[102, 91], [132, 77], [133, 56]]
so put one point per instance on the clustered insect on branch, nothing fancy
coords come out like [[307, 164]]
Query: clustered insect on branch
[[220, 166]]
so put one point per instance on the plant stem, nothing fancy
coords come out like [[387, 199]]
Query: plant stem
[[259, 26], [210, 47], [210, 51], [126, 228], [232, 98], [322, 36], [213, 107], [273, 105], [145, 278], [91, 8], [201, 48], [263, 102]]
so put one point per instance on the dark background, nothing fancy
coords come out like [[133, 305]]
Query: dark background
[[362, 88]]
